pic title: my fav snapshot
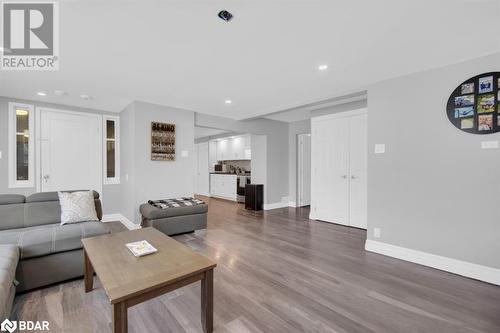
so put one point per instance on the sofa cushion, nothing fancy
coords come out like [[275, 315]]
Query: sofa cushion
[[11, 216], [52, 196], [9, 257], [44, 208], [9, 199], [51, 238], [11, 211]]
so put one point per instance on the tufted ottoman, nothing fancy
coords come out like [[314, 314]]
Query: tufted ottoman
[[173, 217]]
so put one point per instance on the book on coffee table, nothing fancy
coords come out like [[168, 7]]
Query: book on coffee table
[[141, 248]]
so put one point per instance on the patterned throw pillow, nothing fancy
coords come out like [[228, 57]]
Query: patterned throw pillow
[[77, 207]]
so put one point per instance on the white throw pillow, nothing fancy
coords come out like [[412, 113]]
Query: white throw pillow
[[77, 207]]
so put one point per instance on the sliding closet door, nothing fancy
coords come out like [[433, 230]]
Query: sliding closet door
[[330, 165], [358, 171]]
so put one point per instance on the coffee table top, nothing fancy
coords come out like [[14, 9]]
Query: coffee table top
[[123, 275]]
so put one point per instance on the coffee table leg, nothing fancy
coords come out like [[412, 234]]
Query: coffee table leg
[[207, 301], [120, 318], [89, 273]]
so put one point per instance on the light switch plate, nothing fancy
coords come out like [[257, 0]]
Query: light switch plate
[[0, 155], [185, 153], [376, 232], [489, 144], [379, 148]]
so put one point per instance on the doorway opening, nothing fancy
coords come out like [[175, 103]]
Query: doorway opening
[[303, 170]]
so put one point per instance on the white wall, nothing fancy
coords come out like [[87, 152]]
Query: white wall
[[150, 180], [127, 162], [295, 128], [259, 161], [434, 190]]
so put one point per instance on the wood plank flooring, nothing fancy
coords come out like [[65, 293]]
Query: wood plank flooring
[[279, 272]]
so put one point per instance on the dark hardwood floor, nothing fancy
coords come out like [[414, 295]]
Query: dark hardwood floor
[[279, 272]]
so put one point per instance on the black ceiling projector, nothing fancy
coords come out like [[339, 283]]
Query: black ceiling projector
[[225, 15]]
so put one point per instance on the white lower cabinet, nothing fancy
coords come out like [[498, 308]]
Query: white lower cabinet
[[223, 186]]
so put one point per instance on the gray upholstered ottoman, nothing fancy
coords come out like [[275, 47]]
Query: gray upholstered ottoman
[[172, 217]]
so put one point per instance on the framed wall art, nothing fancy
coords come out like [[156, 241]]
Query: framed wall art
[[473, 106], [162, 142]]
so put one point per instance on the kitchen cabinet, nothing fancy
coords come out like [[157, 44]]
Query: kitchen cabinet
[[223, 186], [223, 149], [234, 148]]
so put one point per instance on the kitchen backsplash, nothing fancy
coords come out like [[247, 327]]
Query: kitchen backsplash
[[244, 166]]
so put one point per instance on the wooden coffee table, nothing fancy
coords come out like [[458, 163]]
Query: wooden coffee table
[[130, 280]]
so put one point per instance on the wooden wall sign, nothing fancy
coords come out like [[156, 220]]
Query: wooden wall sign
[[162, 142]]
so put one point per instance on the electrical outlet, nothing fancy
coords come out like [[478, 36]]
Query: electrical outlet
[[376, 232], [185, 153]]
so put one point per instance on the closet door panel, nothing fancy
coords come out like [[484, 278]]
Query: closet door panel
[[358, 171], [330, 185]]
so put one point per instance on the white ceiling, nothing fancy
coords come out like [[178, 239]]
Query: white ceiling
[[202, 132], [179, 53]]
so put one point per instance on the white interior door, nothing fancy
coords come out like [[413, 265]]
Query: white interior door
[[330, 167], [358, 172], [203, 176], [304, 170], [70, 151]]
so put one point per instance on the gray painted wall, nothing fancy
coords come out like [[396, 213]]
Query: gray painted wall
[[277, 149], [111, 201], [127, 162], [295, 128], [154, 179], [434, 190]]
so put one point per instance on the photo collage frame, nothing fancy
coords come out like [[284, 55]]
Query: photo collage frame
[[473, 106]]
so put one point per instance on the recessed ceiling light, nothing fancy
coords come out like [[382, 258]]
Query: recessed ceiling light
[[60, 93], [228, 101], [85, 97], [323, 67], [41, 93]]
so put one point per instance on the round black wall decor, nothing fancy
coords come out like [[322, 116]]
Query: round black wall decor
[[473, 106]]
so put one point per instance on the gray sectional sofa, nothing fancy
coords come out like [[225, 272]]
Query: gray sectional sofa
[[35, 250]]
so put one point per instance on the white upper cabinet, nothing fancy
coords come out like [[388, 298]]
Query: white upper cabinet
[[223, 150], [247, 147], [236, 148]]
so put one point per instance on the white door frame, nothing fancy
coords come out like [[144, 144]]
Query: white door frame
[[38, 132], [344, 114], [300, 170]]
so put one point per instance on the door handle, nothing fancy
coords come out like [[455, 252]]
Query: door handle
[[344, 176], [353, 177], [46, 178]]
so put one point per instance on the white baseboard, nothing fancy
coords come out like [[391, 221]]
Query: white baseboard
[[275, 205], [119, 217], [467, 269], [292, 204]]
